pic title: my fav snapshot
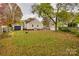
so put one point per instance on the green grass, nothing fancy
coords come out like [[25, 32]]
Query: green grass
[[39, 43]]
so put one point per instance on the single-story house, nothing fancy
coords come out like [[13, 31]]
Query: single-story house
[[33, 24]]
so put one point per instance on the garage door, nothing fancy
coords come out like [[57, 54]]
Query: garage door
[[17, 27]]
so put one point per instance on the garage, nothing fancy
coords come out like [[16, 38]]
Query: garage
[[17, 27]]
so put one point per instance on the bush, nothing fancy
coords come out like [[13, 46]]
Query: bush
[[64, 29], [72, 30], [72, 24]]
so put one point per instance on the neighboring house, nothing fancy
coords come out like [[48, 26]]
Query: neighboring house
[[52, 25], [78, 25], [33, 24], [3, 27]]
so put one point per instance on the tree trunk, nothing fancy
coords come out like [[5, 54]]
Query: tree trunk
[[56, 24]]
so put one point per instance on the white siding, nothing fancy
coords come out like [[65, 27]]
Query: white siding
[[77, 25], [36, 24], [52, 27]]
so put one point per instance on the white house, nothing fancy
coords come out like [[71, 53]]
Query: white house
[[33, 23]]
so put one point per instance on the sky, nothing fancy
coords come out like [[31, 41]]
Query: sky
[[27, 11]]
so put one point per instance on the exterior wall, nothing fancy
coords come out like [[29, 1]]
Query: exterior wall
[[3, 28], [52, 27], [1, 31], [35, 24], [78, 25]]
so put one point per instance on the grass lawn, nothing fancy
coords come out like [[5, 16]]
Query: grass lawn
[[39, 43]]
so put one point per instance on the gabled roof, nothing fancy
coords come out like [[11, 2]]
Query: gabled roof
[[30, 19]]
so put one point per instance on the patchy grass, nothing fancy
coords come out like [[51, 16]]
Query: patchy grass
[[39, 43]]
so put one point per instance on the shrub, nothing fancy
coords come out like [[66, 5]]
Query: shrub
[[72, 24], [64, 29], [74, 31]]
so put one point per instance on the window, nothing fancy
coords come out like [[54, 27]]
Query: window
[[37, 25], [32, 25]]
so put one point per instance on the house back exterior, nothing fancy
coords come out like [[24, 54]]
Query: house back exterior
[[33, 24]]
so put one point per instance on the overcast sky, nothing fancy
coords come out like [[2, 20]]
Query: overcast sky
[[27, 11]]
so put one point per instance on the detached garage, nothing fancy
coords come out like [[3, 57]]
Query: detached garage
[[17, 27]]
